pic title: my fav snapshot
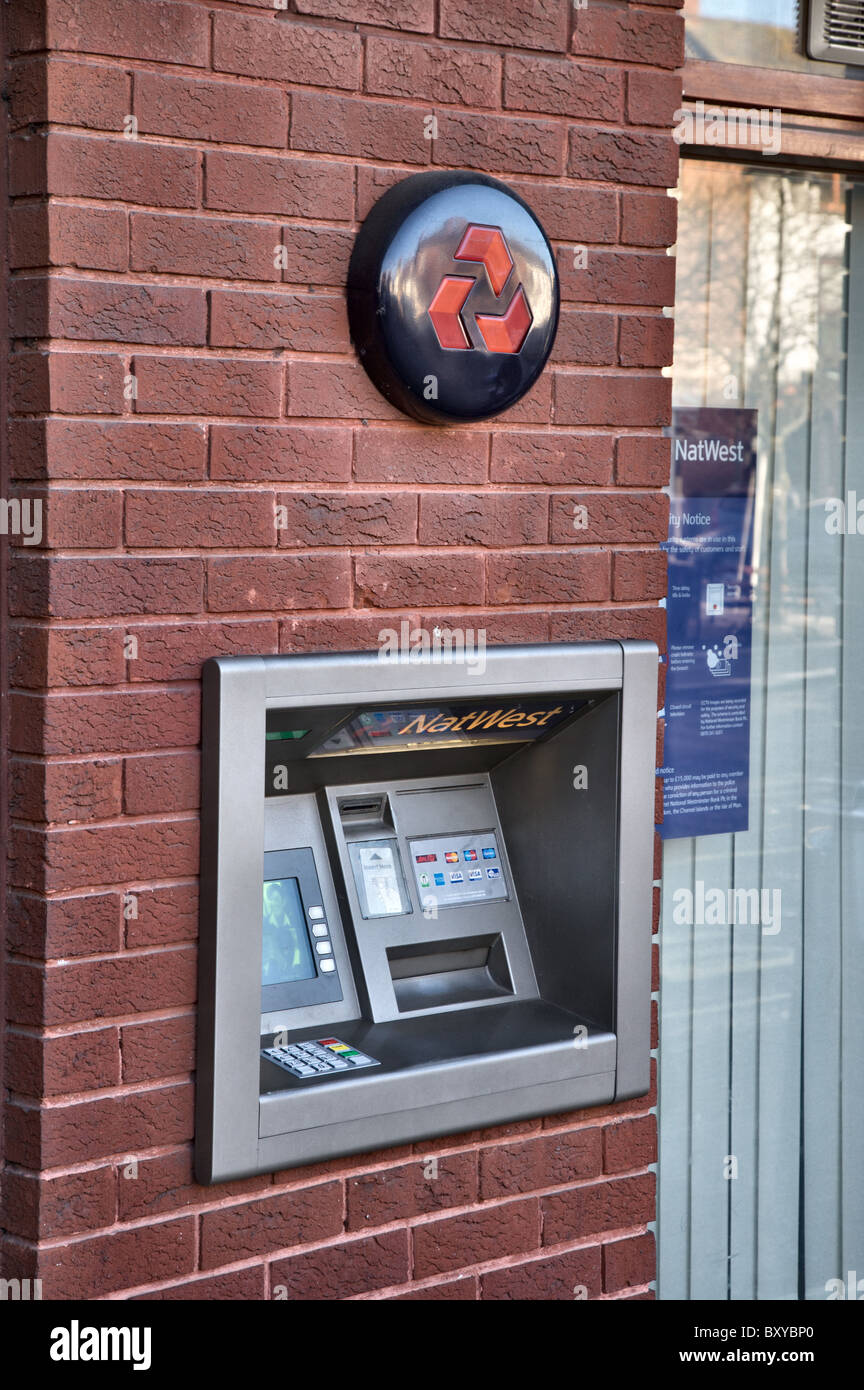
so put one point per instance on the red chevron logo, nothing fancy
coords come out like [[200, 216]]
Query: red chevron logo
[[505, 332]]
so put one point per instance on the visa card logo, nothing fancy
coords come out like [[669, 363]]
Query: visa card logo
[[474, 874], [457, 878]]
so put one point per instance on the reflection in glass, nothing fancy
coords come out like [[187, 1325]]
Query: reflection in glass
[[754, 33]]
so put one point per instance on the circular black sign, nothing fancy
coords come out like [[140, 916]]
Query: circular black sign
[[453, 297]]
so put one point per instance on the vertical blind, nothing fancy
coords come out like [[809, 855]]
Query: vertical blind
[[761, 1099]]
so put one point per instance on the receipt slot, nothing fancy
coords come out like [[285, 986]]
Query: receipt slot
[[426, 896]]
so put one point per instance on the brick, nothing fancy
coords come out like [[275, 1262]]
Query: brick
[[548, 1161], [344, 1270], [612, 516], [347, 632], [614, 399], [278, 45], [120, 1260], [206, 246], [456, 1242], [487, 518], [72, 858], [499, 144], [549, 577], [83, 990], [287, 186], [316, 255], [164, 915], [525, 23], [648, 219], [87, 924], [601, 31], [598, 1206], [164, 518], [385, 581], [623, 156], [346, 518], [39, 1207], [263, 583], [563, 87], [328, 124], [237, 113], [284, 453], [62, 792], [69, 93], [335, 390], [65, 656], [65, 307], [104, 721], [240, 1285], [165, 1183], [552, 457], [81, 1131], [562, 1277], [636, 624], [396, 14], [109, 449], [175, 651], [93, 238], [94, 166], [412, 454], [256, 1228], [97, 588], [157, 1050], [74, 383], [303, 322], [161, 782], [208, 385], [639, 574], [630, 1144], [79, 518], [572, 213], [439, 73], [585, 339], [50, 1066], [645, 340], [653, 97], [643, 461], [397, 1194], [628, 1263], [158, 30]]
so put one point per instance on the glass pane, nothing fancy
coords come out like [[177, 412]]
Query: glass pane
[[762, 1022], [755, 33]]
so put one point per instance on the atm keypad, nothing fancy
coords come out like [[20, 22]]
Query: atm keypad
[[318, 1057]]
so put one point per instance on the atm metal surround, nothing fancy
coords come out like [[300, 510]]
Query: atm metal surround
[[454, 934]]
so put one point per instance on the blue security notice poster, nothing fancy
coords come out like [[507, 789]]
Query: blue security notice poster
[[706, 770]]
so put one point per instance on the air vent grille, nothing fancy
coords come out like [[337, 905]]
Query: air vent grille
[[836, 31]]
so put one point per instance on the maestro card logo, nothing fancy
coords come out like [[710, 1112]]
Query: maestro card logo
[[453, 297]]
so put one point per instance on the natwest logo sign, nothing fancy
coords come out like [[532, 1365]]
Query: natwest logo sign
[[500, 332], [453, 297]]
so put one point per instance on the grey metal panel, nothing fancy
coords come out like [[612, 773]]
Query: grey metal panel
[[237, 693], [374, 1093], [232, 857], [635, 867], [358, 1136]]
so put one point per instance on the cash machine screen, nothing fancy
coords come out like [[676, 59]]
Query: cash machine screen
[[287, 950]]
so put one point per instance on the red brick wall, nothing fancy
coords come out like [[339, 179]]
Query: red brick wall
[[147, 263]]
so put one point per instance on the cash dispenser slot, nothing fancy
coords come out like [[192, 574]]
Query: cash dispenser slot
[[414, 919], [449, 972]]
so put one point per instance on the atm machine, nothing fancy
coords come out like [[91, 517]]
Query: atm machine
[[426, 896]]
